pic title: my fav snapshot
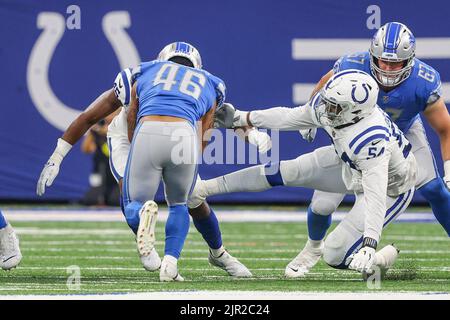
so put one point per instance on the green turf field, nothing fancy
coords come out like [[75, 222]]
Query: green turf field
[[106, 255]]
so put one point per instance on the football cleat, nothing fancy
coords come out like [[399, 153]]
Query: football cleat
[[304, 261], [151, 262], [9, 248], [230, 264], [169, 270], [384, 260], [146, 232]]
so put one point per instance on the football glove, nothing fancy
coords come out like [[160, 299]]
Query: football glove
[[364, 259], [51, 168], [224, 116], [308, 134], [260, 139]]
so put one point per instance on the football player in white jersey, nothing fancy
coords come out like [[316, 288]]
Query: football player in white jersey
[[111, 101], [370, 157]]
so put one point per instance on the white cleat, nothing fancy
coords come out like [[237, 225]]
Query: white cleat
[[169, 270], [151, 262], [198, 195], [304, 261], [230, 264], [9, 248], [146, 232], [384, 260]]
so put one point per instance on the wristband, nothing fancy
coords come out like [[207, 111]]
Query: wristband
[[370, 242], [62, 147]]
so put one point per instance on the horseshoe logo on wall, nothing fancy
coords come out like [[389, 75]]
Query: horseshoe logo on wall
[[53, 24]]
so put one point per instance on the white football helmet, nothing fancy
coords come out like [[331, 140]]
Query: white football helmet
[[181, 49], [347, 97], [393, 42]]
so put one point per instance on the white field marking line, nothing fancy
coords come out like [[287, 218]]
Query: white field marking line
[[223, 215], [44, 245], [102, 232], [242, 295], [205, 251], [325, 270]]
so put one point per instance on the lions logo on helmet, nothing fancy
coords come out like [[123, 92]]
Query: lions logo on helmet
[[181, 49], [347, 97], [393, 42]]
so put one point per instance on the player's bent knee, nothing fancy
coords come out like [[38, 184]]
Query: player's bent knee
[[334, 250], [323, 207]]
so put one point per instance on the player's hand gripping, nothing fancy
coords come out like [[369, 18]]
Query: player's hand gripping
[[260, 139], [364, 259], [308, 134], [224, 116], [51, 168]]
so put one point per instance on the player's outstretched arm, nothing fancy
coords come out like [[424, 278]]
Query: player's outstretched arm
[[374, 182], [104, 105], [439, 119], [281, 118], [224, 118]]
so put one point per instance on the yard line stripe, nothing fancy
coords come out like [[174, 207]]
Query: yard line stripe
[[223, 215], [246, 295]]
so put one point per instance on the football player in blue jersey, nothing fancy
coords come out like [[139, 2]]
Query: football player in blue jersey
[[10, 255], [408, 87], [168, 97], [173, 57]]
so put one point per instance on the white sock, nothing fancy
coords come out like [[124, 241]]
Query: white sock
[[251, 179], [170, 259], [315, 244], [217, 252]]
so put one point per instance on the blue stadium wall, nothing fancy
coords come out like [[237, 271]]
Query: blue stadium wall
[[269, 53]]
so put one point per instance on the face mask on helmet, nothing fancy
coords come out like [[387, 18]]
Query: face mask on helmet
[[331, 113], [181, 49], [346, 98], [392, 43]]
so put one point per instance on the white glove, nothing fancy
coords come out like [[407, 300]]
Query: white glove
[[363, 260], [447, 173], [51, 168], [260, 139], [308, 134], [240, 119]]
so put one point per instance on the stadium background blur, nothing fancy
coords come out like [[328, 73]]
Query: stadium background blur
[[268, 53]]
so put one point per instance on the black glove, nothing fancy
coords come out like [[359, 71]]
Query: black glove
[[224, 116]]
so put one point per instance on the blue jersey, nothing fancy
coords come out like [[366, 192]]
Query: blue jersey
[[409, 98], [169, 89]]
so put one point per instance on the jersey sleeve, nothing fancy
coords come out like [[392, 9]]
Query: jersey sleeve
[[373, 163], [285, 118], [124, 82], [431, 86], [219, 88]]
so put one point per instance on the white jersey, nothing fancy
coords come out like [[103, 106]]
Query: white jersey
[[377, 156]]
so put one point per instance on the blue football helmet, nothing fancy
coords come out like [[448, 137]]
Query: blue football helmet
[[181, 49], [393, 42]]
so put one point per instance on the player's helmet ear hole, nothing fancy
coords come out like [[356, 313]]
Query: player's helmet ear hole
[[183, 61]]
